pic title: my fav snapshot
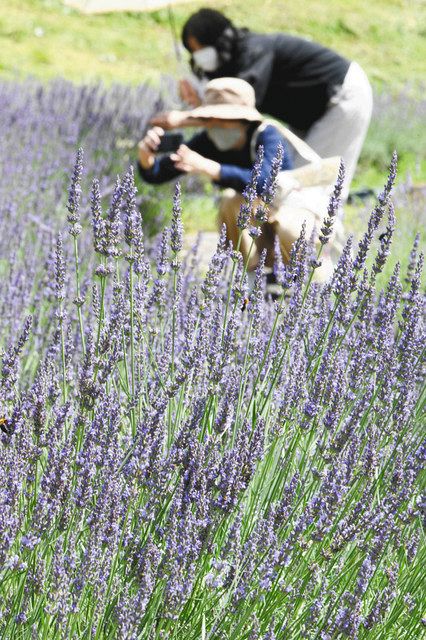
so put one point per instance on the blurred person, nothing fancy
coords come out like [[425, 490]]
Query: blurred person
[[224, 151], [324, 98]]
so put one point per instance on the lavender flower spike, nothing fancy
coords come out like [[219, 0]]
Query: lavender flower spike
[[333, 206], [270, 186], [250, 192], [385, 241], [59, 270], [376, 216], [74, 193], [176, 231], [98, 224]]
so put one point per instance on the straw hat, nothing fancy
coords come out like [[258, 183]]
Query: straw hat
[[228, 99]]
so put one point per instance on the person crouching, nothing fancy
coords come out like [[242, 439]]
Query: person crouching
[[224, 151]]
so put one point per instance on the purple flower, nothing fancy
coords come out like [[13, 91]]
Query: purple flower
[[270, 186], [219, 464], [376, 216], [333, 206], [74, 193], [176, 235], [385, 241], [250, 192], [98, 223]]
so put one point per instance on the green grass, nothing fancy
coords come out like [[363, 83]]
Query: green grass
[[44, 38]]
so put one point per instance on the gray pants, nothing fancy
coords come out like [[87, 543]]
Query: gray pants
[[342, 129]]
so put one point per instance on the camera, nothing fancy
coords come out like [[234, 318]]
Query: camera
[[170, 142]]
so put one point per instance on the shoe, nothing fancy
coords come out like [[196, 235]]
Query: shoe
[[272, 289]]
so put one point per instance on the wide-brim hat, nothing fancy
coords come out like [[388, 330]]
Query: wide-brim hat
[[228, 99]]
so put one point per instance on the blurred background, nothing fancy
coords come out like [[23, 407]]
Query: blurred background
[[48, 39]]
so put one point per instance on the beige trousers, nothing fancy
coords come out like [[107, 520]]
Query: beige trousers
[[342, 129], [285, 222]]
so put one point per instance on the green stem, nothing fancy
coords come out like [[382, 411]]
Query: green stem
[[132, 330], [63, 357], [77, 286], [172, 364]]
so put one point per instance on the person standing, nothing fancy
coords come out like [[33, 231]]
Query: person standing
[[324, 98]]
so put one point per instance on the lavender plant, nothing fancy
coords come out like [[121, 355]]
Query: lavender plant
[[182, 458], [40, 128]]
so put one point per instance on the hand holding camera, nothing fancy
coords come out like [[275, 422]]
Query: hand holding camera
[[157, 141], [148, 146], [189, 161], [185, 159]]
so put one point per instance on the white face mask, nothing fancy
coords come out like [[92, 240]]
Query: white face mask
[[206, 58], [224, 139]]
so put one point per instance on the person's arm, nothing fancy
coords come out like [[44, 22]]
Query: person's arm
[[234, 177], [161, 171], [190, 161], [153, 169], [188, 93], [174, 119], [189, 158]]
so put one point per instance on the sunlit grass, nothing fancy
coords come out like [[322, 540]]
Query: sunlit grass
[[45, 38]]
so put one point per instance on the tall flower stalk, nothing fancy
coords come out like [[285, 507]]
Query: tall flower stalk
[[73, 218], [176, 238], [210, 463]]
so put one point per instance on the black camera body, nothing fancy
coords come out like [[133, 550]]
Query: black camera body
[[170, 142]]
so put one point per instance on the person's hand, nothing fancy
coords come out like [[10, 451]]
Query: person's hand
[[148, 146], [188, 93], [189, 161], [169, 119]]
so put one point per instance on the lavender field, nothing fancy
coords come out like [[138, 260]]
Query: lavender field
[[180, 456]]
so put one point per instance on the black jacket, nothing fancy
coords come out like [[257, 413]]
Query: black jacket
[[293, 78]]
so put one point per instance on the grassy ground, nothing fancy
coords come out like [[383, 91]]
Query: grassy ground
[[45, 38]]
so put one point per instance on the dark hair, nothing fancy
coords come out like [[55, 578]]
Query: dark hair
[[206, 25]]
